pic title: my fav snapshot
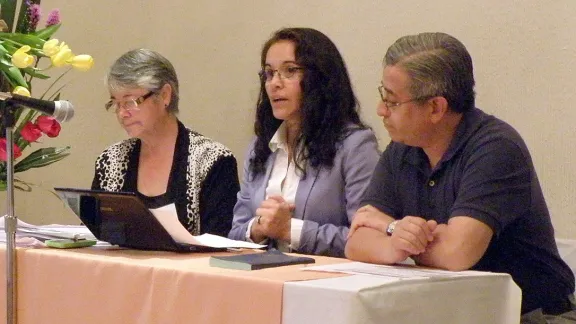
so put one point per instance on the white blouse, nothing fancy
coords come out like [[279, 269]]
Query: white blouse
[[283, 182]]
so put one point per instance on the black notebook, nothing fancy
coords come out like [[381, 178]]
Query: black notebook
[[255, 261]]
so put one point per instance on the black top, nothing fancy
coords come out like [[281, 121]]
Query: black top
[[216, 199], [487, 174], [117, 170]]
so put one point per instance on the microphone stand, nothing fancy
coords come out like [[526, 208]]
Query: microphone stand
[[10, 220]]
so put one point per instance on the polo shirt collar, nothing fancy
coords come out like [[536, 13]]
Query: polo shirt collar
[[470, 122]]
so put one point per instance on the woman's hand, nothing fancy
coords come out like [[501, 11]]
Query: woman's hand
[[273, 219]]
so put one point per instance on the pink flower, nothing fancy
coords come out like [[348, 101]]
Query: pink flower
[[53, 18], [30, 132], [48, 125], [17, 152], [34, 14]]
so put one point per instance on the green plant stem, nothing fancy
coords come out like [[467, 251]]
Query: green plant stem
[[53, 83], [31, 77], [57, 92]]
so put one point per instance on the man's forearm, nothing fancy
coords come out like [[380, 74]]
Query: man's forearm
[[372, 246], [448, 251]]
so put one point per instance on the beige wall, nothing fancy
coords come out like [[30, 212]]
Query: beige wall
[[524, 55]]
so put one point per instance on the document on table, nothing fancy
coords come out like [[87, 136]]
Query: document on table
[[28, 235], [393, 271], [47, 232], [168, 218]]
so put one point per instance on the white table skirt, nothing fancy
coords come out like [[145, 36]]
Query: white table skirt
[[492, 298]]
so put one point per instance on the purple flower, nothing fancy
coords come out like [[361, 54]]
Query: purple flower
[[34, 14], [53, 18]]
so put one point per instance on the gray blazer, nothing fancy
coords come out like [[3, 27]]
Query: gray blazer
[[326, 199]]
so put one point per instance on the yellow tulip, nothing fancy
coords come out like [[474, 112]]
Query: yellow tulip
[[51, 47], [20, 90], [83, 62], [21, 59], [61, 58]]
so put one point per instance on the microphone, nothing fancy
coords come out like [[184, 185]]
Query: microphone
[[61, 110]]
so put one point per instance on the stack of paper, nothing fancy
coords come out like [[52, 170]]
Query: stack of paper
[[47, 232]]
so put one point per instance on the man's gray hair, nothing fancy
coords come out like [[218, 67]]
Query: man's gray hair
[[144, 68], [438, 65]]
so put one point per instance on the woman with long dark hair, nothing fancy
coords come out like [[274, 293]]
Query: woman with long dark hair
[[312, 157]]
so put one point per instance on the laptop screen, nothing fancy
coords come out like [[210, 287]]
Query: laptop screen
[[121, 218]]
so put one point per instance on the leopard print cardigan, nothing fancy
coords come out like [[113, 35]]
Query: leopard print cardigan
[[203, 152]]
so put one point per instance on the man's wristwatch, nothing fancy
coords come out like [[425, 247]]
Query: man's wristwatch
[[391, 227]]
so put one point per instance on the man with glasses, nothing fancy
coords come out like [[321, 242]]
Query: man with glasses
[[456, 188]]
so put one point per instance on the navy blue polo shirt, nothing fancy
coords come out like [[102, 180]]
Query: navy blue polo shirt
[[487, 174]]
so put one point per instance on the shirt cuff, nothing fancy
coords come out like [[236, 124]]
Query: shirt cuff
[[295, 232], [249, 230]]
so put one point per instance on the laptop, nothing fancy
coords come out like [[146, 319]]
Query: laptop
[[121, 218]]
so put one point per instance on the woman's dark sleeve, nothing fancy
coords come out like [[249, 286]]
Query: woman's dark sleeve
[[218, 197], [96, 179], [95, 184]]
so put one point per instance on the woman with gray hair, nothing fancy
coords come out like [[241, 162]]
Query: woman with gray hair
[[163, 161]]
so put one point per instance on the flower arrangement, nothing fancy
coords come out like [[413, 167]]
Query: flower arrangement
[[22, 48]]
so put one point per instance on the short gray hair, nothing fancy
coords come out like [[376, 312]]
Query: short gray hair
[[144, 68], [438, 65]]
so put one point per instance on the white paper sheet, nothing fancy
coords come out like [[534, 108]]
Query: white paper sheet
[[168, 218], [394, 271]]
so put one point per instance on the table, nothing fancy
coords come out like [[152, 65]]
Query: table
[[374, 300], [91, 285]]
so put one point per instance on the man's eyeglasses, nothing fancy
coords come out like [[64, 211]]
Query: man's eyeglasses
[[284, 72], [391, 104], [128, 105]]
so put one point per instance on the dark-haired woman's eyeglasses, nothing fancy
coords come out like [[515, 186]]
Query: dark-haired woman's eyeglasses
[[284, 72], [128, 105]]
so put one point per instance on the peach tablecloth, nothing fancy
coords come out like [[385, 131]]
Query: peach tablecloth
[[91, 285]]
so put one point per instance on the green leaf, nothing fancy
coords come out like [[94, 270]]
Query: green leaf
[[47, 32], [7, 48], [42, 157], [13, 75], [19, 112], [21, 185], [24, 39], [34, 73], [16, 76], [7, 12]]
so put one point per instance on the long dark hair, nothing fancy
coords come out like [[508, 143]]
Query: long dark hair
[[329, 106]]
